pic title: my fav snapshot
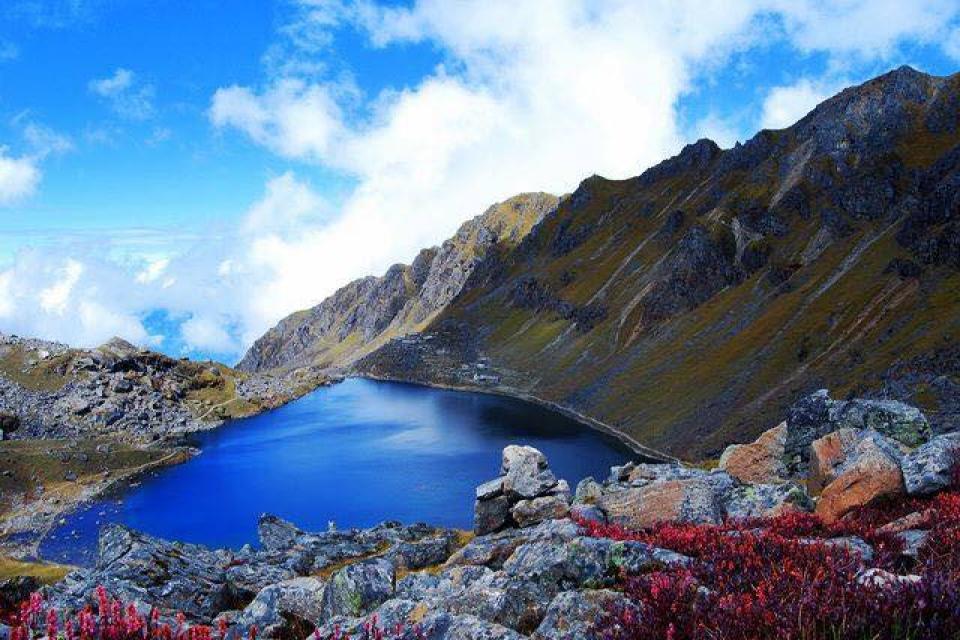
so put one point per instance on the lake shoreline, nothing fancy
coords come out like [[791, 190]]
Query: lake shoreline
[[506, 392], [439, 439]]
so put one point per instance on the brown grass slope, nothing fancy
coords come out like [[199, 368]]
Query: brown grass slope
[[690, 305]]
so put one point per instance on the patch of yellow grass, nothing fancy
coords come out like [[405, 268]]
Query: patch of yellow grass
[[44, 572]]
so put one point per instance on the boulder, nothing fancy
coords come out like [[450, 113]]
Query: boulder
[[896, 420], [514, 602], [913, 540], [588, 491], [577, 614], [693, 500], [358, 589], [760, 462], [529, 512], [493, 549], [915, 520], [869, 469], [929, 468], [880, 579], [856, 547], [807, 420], [525, 472], [419, 554], [526, 489], [816, 415], [827, 455], [446, 626], [587, 512], [491, 515], [283, 609], [584, 561], [765, 501]]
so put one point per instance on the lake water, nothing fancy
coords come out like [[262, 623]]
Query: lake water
[[356, 453]]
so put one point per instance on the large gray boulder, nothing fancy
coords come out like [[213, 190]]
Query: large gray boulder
[[282, 609], [525, 472], [816, 415], [765, 501], [358, 589], [584, 561], [929, 468], [576, 614]]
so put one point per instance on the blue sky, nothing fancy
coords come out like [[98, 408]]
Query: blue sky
[[187, 173]]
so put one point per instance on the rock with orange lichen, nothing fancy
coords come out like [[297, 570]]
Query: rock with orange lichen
[[760, 462]]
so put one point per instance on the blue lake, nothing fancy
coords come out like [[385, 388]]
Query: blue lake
[[356, 453]]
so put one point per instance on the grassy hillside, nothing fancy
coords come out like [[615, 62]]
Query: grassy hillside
[[690, 305]]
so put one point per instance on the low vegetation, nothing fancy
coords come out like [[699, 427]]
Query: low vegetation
[[780, 578]]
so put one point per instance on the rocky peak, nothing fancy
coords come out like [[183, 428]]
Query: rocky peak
[[366, 311]]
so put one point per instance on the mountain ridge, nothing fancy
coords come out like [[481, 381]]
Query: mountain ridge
[[690, 304]]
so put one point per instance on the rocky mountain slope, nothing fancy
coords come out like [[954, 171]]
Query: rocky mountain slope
[[367, 312], [54, 391], [690, 305]]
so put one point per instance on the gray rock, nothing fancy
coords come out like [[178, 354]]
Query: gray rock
[[525, 472], [516, 603], [927, 469], [576, 614], [491, 515], [493, 549], [529, 512], [588, 491], [587, 512], [859, 549], [490, 489], [422, 553], [765, 500], [896, 420], [278, 608], [358, 589], [445, 626], [817, 415], [585, 561]]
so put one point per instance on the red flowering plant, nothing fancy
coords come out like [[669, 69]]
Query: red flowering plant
[[781, 578]]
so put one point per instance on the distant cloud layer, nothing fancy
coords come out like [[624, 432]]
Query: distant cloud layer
[[525, 99]]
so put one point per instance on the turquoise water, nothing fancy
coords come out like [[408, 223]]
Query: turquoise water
[[356, 453]]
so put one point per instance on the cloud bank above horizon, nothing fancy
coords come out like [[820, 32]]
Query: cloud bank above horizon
[[515, 99]]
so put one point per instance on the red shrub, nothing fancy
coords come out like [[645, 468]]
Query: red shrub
[[768, 579]]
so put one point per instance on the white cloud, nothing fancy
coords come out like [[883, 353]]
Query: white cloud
[[786, 104], [293, 118], [951, 45], [44, 141], [19, 178], [207, 333], [127, 96], [864, 28], [80, 300]]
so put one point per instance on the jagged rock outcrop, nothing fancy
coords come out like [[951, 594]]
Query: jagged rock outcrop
[[50, 390], [366, 312], [525, 494]]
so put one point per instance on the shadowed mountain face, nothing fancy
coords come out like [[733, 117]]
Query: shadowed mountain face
[[688, 306]]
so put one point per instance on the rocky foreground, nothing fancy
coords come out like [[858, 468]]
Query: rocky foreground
[[839, 522]]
